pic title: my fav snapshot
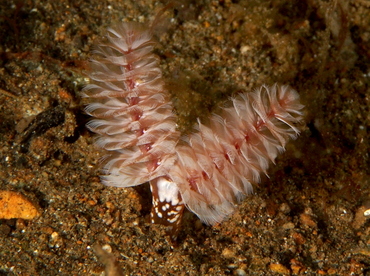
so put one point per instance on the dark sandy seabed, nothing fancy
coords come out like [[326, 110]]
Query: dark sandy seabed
[[307, 218]]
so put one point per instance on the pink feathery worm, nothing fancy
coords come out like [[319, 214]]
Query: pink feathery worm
[[208, 171], [133, 115]]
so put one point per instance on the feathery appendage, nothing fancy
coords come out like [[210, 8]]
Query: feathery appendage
[[134, 118], [133, 115], [217, 165]]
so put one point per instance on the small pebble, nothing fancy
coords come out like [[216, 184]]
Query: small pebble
[[279, 268], [107, 248], [288, 225], [240, 272], [228, 253], [307, 220], [15, 205], [284, 208], [54, 235]]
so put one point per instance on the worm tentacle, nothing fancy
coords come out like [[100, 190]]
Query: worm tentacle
[[217, 165], [133, 115]]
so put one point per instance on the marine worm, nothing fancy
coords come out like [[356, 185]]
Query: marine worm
[[208, 171]]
